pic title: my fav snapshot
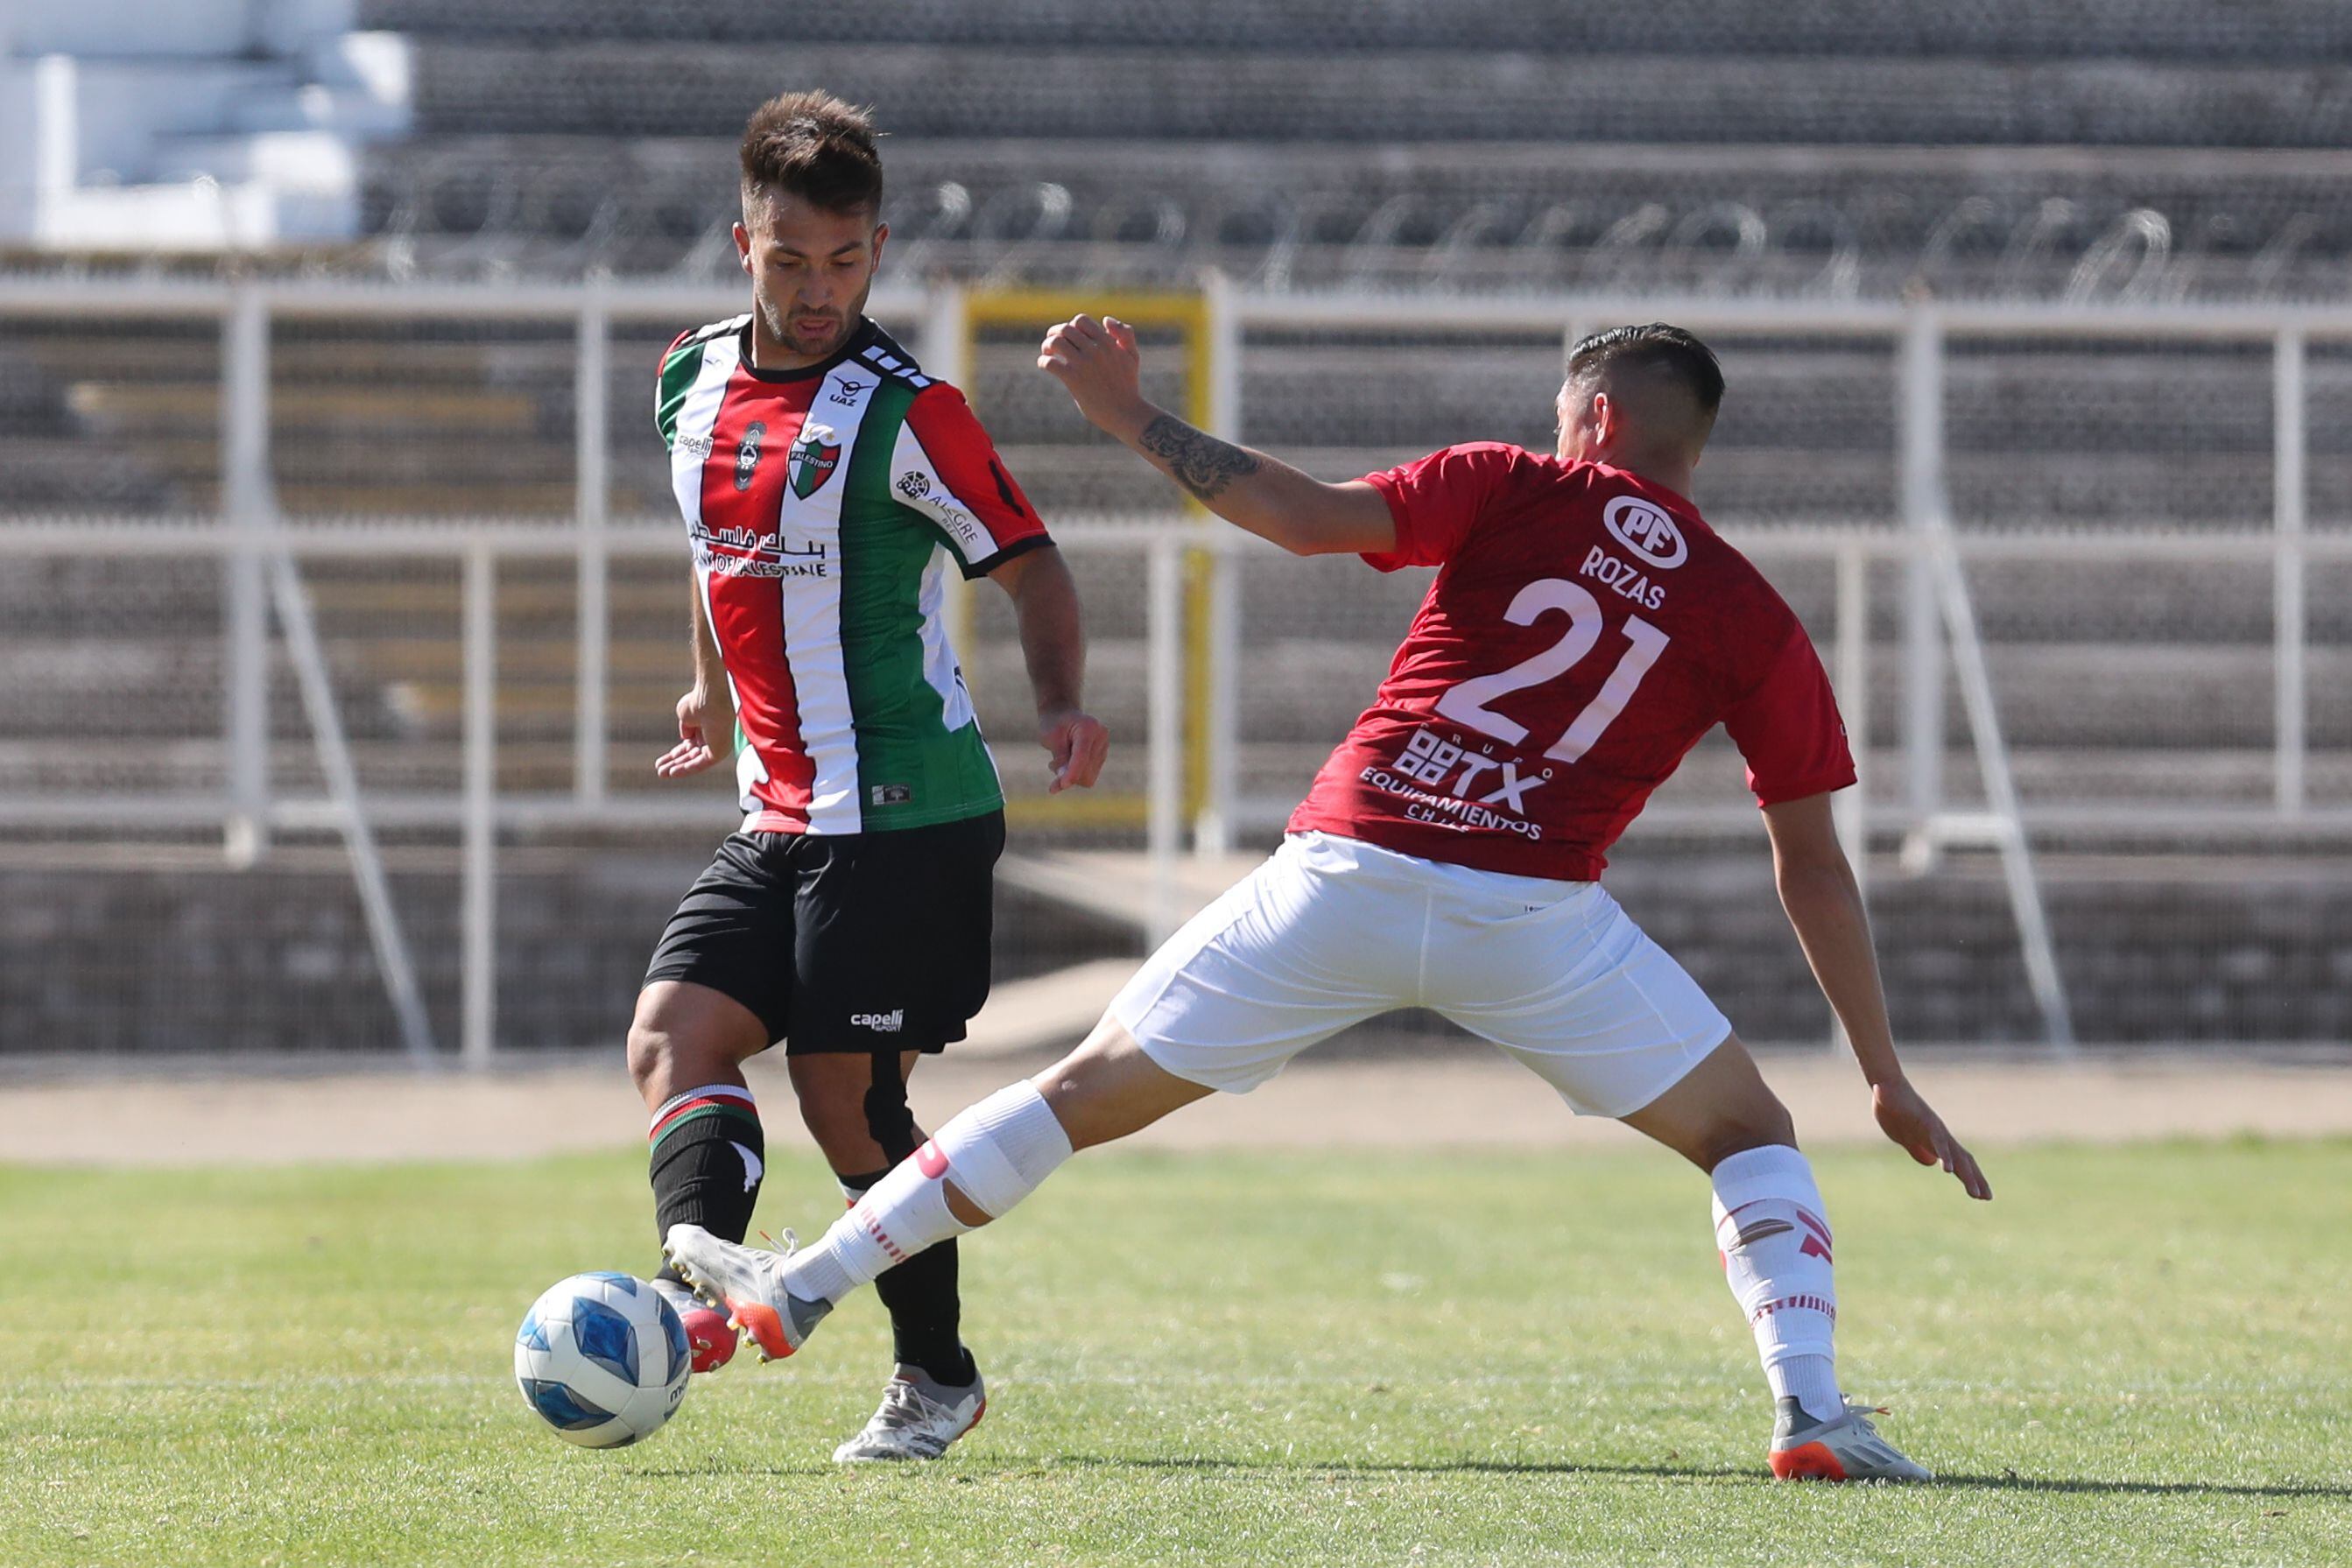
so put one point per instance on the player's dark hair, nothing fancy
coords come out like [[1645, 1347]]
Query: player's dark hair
[[1653, 347], [816, 147]]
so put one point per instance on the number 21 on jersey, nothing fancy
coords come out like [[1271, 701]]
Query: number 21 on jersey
[[1465, 702]]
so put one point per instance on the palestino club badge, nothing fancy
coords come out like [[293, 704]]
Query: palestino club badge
[[812, 459]]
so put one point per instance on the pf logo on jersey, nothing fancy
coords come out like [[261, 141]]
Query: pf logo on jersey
[[812, 458], [1646, 530]]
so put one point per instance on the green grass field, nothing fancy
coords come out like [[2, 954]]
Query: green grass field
[[2138, 1355]]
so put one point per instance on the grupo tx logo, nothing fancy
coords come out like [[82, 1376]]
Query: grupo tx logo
[[1646, 530]]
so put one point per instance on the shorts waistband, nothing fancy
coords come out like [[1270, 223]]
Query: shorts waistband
[[1332, 851]]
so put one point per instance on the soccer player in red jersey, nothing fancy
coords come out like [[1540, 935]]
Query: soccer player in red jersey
[[1585, 628]]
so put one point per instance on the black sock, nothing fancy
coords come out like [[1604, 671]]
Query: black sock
[[926, 1313], [709, 1154]]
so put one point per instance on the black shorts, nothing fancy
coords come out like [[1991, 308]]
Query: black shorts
[[858, 942]]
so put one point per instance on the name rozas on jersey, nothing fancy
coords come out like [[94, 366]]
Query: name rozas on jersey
[[1651, 537]]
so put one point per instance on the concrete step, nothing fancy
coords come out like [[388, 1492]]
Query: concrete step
[[2283, 30], [295, 158], [177, 955], [1599, 216], [664, 87]]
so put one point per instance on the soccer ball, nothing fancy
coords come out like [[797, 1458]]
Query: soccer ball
[[603, 1359]]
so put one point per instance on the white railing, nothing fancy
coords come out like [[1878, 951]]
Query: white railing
[[261, 560]]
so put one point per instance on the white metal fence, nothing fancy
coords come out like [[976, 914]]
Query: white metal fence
[[1190, 650]]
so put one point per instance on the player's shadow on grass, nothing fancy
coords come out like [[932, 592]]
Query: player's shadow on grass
[[2008, 1481], [1039, 1464]]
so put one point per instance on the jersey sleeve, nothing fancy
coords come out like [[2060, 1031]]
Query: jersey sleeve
[[946, 469], [1788, 729], [1435, 500], [672, 381]]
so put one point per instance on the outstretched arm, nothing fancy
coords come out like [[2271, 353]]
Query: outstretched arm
[[1099, 362], [1824, 904], [706, 715], [1053, 643]]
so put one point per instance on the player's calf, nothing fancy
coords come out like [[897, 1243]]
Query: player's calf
[[993, 1155], [1775, 1242]]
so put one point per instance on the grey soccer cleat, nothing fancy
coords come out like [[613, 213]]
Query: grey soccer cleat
[[748, 1282], [1846, 1447], [918, 1419]]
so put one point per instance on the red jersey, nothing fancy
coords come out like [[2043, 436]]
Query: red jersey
[[1585, 628]]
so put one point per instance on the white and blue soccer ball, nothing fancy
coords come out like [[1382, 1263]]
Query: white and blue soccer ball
[[603, 1359]]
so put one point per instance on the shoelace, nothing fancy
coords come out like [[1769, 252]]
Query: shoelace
[[792, 1242]]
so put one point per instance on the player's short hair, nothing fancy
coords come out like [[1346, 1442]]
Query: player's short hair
[[1668, 351], [816, 147]]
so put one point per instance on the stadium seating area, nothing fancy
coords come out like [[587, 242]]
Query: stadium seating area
[[2153, 148], [1825, 142]]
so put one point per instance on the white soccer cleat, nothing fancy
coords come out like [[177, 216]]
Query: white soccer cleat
[[748, 1282], [1845, 1448], [918, 1419], [710, 1337]]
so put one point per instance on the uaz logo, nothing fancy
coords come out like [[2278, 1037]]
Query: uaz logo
[[1646, 531]]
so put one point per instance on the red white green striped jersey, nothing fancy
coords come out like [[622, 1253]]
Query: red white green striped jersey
[[823, 503]]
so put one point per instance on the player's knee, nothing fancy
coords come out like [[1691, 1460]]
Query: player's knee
[[651, 1052], [835, 1117], [890, 1121], [1764, 1125]]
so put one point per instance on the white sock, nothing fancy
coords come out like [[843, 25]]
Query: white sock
[[996, 1152], [1775, 1242]]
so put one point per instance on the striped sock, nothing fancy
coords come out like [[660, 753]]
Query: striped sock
[[707, 1154], [1775, 1243]]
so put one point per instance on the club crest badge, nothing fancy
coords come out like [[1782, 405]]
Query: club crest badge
[[812, 459], [747, 453]]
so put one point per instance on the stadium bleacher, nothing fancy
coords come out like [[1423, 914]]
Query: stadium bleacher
[[1299, 133], [2153, 149]]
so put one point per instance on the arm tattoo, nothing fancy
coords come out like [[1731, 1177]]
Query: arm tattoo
[[1200, 462]]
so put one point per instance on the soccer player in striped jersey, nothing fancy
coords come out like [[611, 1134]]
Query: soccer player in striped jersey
[[827, 483], [1585, 628]]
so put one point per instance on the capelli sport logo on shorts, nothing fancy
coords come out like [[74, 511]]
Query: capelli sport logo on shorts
[[891, 1022], [1647, 531]]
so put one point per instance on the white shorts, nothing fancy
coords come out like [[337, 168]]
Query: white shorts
[[1330, 930]]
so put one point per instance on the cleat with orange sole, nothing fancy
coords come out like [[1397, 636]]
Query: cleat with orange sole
[[1846, 1447], [747, 1284]]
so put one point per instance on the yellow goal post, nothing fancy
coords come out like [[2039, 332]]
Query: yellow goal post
[[958, 318]]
